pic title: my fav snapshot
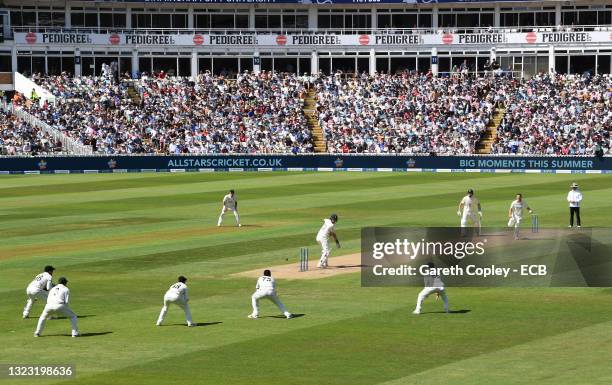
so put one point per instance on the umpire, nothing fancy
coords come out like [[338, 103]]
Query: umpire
[[574, 197]]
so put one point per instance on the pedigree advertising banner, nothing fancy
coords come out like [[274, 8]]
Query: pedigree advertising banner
[[315, 39]]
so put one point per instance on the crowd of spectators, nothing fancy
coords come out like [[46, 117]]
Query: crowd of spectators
[[18, 137], [255, 113], [407, 113], [557, 115], [258, 113]]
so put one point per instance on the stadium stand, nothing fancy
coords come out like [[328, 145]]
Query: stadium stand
[[407, 113], [557, 115], [255, 113]]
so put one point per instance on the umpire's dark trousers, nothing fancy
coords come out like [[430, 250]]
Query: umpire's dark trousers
[[574, 210]]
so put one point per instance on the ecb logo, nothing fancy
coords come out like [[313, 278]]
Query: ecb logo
[[410, 163], [42, 165], [339, 162]]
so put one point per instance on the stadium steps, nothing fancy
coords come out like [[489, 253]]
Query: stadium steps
[[488, 138], [133, 94], [310, 111]]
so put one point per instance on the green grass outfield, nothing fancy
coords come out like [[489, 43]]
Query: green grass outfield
[[121, 239]]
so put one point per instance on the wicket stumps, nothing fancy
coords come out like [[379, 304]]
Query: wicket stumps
[[535, 226], [304, 259]]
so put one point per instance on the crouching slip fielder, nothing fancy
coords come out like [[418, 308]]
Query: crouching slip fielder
[[57, 302], [323, 235], [469, 208], [433, 284], [176, 294], [230, 203], [515, 213], [266, 288], [38, 289]]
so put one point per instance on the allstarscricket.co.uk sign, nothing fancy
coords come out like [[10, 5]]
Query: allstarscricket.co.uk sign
[[299, 40]]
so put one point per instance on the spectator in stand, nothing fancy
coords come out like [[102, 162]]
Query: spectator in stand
[[406, 113], [257, 113], [558, 115], [20, 138]]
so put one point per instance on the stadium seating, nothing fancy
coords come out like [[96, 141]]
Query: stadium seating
[[557, 115], [406, 113], [260, 113], [18, 137]]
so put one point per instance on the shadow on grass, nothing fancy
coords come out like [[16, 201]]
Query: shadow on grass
[[94, 334], [80, 335], [35, 318], [282, 316], [346, 266], [462, 311], [199, 324]]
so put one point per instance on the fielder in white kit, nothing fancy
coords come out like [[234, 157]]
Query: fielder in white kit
[[57, 302], [433, 284], [266, 288], [323, 235], [515, 213], [38, 289], [230, 203], [469, 208], [177, 294]]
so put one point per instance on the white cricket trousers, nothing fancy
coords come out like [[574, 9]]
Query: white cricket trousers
[[225, 209], [515, 221], [272, 297], [473, 217], [61, 309], [180, 303], [33, 295], [324, 251], [426, 292]]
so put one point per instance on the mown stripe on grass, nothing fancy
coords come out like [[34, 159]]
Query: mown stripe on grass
[[576, 357]]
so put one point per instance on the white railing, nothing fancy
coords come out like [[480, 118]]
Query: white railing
[[70, 145], [306, 31]]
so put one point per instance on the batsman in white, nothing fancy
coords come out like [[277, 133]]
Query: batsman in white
[[38, 289], [433, 284], [230, 203], [266, 288], [469, 208], [177, 294], [515, 213], [57, 302], [328, 229]]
